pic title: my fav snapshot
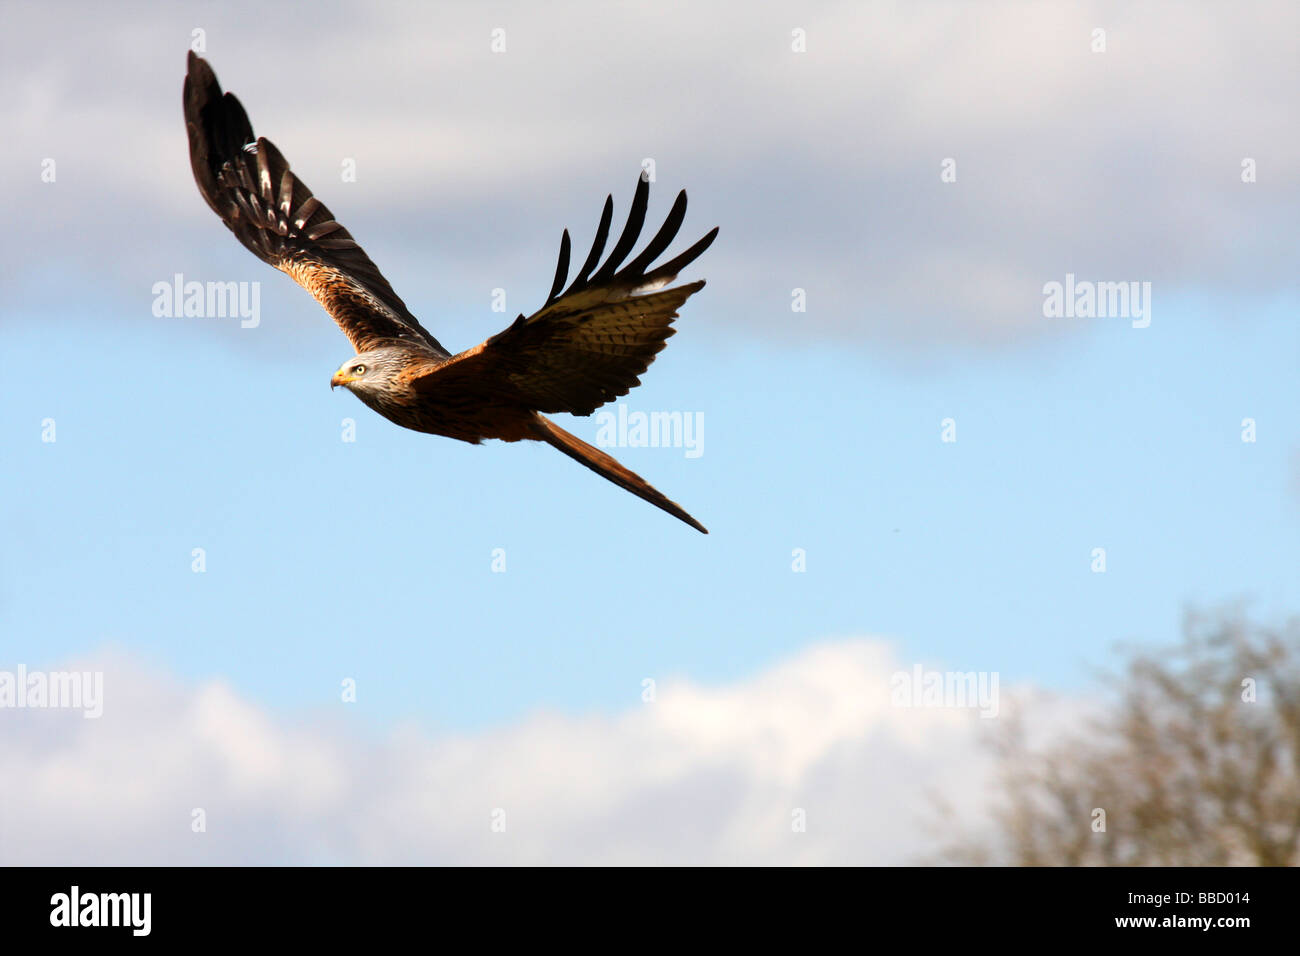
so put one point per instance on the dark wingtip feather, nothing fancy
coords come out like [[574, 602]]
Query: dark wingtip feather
[[631, 230], [561, 268], [597, 247], [217, 125], [663, 238], [676, 265]]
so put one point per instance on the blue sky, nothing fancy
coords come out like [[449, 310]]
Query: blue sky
[[372, 559]]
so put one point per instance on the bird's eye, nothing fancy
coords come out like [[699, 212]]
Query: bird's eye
[[359, 370]]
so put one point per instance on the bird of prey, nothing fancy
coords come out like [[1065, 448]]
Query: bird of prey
[[585, 346]]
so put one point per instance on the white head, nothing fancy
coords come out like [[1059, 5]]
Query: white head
[[371, 371]]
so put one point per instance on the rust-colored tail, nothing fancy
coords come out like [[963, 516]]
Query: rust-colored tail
[[607, 467]]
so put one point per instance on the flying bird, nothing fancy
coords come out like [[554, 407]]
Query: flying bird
[[585, 346]]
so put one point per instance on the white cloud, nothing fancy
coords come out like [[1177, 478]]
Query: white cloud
[[822, 168], [702, 776]]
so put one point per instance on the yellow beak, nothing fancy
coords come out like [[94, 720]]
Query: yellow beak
[[341, 378]]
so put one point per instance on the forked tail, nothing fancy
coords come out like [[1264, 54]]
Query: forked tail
[[607, 467]]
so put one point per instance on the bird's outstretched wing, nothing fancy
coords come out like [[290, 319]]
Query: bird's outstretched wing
[[272, 212], [588, 344]]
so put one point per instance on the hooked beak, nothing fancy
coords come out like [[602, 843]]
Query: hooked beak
[[340, 379]]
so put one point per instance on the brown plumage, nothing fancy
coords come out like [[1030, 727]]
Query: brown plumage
[[587, 345]]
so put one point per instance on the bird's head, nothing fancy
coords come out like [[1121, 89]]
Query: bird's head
[[367, 371]]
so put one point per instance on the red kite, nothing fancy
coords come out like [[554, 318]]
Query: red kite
[[584, 347]]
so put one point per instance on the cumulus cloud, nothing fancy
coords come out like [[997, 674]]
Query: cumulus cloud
[[700, 775], [822, 167]]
